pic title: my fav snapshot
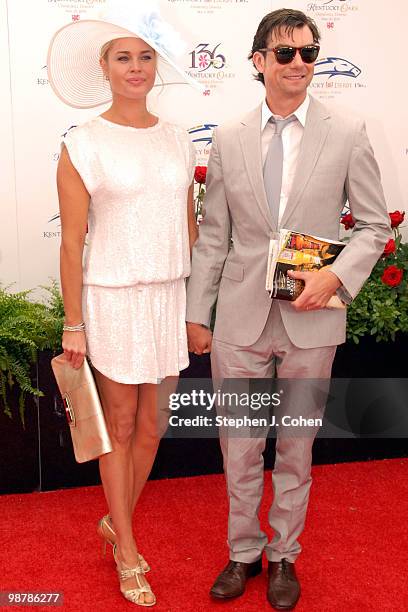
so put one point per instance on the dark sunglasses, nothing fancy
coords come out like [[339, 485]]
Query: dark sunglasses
[[285, 55]]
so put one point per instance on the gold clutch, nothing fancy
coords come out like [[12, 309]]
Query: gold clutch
[[83, 408]]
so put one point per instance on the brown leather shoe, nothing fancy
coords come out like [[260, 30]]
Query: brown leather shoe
[[283, 586], [232, 580]]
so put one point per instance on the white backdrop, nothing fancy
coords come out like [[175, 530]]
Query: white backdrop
[[355, 70]]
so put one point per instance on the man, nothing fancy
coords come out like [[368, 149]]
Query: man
[[265, 173]]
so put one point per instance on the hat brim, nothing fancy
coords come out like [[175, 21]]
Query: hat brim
[[75, 74]]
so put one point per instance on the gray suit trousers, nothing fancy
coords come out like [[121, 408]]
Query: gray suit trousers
[[272, 354]]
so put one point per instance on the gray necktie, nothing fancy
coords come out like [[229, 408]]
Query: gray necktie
[[273, 168]]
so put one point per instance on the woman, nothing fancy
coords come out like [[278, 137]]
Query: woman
[[128, 176]]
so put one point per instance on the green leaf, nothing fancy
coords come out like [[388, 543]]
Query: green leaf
[[26, 327]]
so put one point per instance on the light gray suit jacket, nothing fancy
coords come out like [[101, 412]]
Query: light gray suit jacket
[[335, 163]]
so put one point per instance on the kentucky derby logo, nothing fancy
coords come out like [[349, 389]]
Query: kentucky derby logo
[[341, 75], [42, 79], [211, 7], [209, 66], [204, 58], [202, 133], [77, 8], [331, 8], [56, 232], [66, 132], [335, 67], [77, 2], [201, 136], [54, 218]]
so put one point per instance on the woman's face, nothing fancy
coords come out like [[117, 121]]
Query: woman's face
[[130, 65]]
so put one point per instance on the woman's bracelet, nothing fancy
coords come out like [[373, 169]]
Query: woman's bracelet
[[74, 328]]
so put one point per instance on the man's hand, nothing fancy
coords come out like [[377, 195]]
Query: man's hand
[[319, 288], [199, 338]]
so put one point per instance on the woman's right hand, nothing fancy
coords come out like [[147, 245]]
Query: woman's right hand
[[74, 346]]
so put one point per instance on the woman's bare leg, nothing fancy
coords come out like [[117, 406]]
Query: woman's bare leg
[[120, 404], [151, 424]]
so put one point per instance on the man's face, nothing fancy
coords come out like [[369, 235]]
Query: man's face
[[286, 80]]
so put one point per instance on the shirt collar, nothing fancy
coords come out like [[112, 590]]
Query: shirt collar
[[300, 113]]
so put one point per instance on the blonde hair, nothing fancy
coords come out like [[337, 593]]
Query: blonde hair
[[105, 49], [103, 53]]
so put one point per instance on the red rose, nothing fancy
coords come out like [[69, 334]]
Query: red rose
[[348, 221], [200, 174], [396, 218], [392, 276], [389, 247]]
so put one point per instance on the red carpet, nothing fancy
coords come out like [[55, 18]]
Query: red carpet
[[355, 546]]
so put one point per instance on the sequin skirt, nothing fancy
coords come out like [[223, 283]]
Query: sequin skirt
[[137, 334]]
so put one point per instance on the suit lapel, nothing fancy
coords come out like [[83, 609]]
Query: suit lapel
[[315, 133], [250, 138]]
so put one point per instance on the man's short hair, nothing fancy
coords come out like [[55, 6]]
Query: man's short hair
[[285, 20]]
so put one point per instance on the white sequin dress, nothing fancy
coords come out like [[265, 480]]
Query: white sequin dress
[[137, 255]]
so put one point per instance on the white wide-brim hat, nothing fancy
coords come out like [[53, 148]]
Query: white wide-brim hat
[[74, 72]]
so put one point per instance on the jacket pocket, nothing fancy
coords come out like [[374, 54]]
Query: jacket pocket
[[233, 271]]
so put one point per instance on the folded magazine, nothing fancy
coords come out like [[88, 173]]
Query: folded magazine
[[302, 253]]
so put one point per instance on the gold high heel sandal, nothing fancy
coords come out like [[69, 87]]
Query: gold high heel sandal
[[108, 535], [134, 594]]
